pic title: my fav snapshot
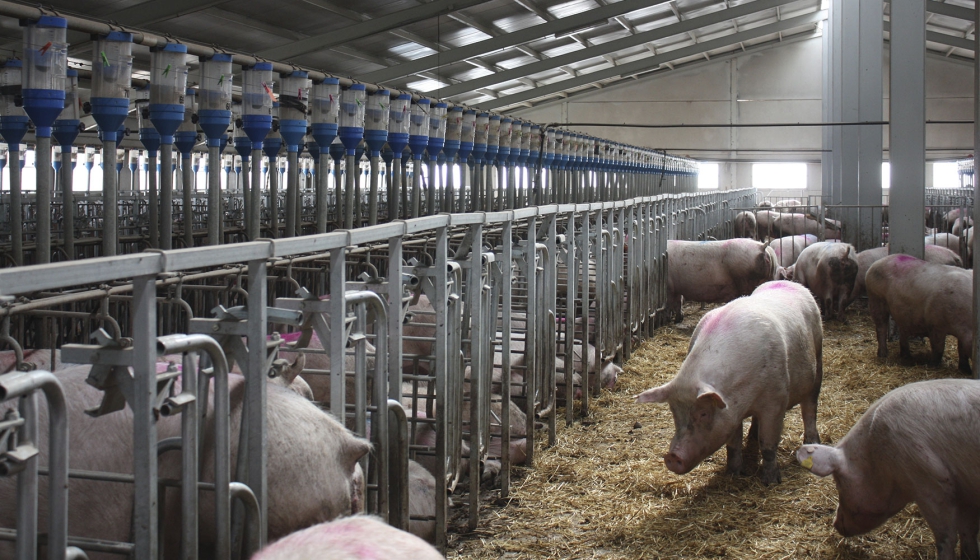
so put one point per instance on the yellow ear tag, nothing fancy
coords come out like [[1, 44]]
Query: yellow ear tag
[[807, 463]]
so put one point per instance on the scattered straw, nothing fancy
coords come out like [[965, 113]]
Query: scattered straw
[[603, 492]]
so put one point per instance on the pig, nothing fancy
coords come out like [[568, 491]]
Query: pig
[[947, 240], [715, 271], [309, 477], [788, 248], [745, 225], [829, 271], [934, 253], [766, 224], [352, 538], [757, 356], [960, 225], [316, 364], [969, 248], [925, 299], [33, 359], [789, 205], [421, 502], [796, 224], [916, 444], [949, 218]]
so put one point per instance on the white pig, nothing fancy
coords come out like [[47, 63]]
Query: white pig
[[925, 299], [916, 444], [757, 356], [353, 538]]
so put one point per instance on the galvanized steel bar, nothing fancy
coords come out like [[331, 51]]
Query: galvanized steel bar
[[44, 185], [68, 205], [145, 511], [216, 212]]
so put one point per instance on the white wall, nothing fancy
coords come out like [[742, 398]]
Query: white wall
[[782, 84]]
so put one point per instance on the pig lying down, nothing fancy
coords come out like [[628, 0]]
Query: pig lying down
[[916, 444], [756, 357], [351, 538]]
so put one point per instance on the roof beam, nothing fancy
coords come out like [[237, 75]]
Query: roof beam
[[618, 44], [649, 62], [509, 40], [655, 74], [155, 11], [531, 6], [942, 39], [371, 27]]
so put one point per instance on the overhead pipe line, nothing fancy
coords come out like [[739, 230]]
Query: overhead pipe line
[[748, 125]]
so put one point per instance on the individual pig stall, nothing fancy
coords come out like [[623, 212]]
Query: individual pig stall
[[603, 491], [326, 297]]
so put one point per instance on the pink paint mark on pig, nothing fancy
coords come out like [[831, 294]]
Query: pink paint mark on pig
[[777, 285], [712, 322], [905, 258], [291, 337]]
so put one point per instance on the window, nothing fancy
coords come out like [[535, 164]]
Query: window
[[779, 176], [708, 175], [886, 175], [945, 175]]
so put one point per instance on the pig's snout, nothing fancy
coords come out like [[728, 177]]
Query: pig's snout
[[578, 393], [674, 463]]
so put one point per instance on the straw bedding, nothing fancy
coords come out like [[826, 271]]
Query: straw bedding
[[603, 492]]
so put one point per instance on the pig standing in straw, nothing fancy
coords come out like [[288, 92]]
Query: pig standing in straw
[[758, 356], [916, 444]]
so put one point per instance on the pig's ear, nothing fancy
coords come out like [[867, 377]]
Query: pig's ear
[[707, 394], [295, 368], [655, 395], [821, 460]]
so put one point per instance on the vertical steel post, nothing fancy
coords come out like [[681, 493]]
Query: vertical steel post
[[216, 213], [153, 200], [187, 178], [350, 190], [373, 194], [292, 194], [870, 109], [255, 199], [68, 204], [322, 211], [907, 131], [255, 384], [274, 197], [144, 423], [27, 483], [42, 231], [166, 196], [976, 195], [110, 209]]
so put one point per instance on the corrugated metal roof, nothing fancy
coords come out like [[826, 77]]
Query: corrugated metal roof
[[679, 31]]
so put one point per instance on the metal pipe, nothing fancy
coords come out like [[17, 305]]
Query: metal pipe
[[110, 202], [152, 196], [253, 226], [27, 483], [373, 194], [13, 385], [274, 198], [16, 206], [253, 516], [398, 515], [292, 194], [245, 186], [68, 204], [187, 178], [43, 184], [430, 201], [215, 204], [322, 203], [350, 180], [416, 187], [166, 196], [182, 343]]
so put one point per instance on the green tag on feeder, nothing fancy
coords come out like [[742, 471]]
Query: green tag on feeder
[[221, 80], [105, 59], [166, 70]]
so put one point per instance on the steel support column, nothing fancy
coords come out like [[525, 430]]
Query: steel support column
[[870, 109], [907, 137], [850, 112]]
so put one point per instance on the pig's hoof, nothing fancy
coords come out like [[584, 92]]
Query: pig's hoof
[[771, 475]]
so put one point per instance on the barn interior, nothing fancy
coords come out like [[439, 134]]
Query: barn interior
[[446, 224]]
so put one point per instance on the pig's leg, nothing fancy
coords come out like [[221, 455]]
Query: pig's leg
[[965, 349], [937, 341], [809, 405], [770, 430], [734, 449], [879, 314], [903, 343], [968, 520]]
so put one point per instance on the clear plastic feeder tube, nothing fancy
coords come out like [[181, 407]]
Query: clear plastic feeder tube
[[112, 67]]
